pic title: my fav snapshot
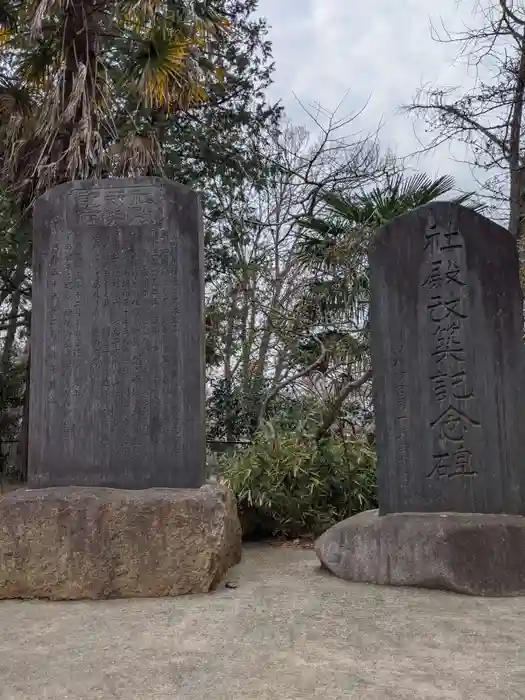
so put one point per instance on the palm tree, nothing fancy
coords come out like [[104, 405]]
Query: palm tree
[[396, 196], [334, 246], [86, 88], [86, 85], [334, 256]]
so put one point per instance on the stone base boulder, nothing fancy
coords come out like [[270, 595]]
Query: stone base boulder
[[81, 542], [474, 554]]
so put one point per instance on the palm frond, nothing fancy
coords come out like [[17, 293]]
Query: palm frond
[[163, 70], [334, 244], [384, 202], [322, 226], [38, 66], [339, 205], [8, 16], [15, 100], [136, 154], [124, 63]]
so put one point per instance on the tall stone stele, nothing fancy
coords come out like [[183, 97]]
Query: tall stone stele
[[117, 367], [446, 327], [117, 400], [446, 320]]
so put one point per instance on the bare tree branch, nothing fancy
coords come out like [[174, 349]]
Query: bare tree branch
[[285, 382], [335, 408], [487, 119]]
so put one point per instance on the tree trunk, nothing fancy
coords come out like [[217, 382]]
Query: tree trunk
[[80, 49], [332, 414], [5, 359], [517, 193], [23, 438], [227, 365], [9, 341]]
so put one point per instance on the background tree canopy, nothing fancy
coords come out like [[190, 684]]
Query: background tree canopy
[[178, 88]]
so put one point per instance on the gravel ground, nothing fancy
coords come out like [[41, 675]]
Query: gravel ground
[[285, 631]]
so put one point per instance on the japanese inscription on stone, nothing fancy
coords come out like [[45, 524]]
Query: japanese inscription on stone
[[446, 295], [117, 382], [447, 354]]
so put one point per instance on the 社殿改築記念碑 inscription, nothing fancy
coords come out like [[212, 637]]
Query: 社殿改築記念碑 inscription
[[447, 355]]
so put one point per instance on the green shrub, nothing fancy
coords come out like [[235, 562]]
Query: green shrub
[[290, 485]]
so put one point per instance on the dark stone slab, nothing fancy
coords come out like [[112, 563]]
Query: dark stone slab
[[117, 367], [447, 356], [474, 554]]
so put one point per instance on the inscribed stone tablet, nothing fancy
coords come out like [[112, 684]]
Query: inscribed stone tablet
[[117, 370], [447, 354]]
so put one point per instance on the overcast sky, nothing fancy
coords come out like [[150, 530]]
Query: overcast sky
[[378, 50]]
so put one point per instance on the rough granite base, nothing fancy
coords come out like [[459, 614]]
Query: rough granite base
[[88, 543], [473, 554]]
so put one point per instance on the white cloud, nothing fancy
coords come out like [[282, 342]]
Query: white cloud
[[378, 50]]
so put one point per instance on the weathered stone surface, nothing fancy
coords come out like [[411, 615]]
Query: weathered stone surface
[[447, 356], [475, 554], [117, 336], [76, 542]]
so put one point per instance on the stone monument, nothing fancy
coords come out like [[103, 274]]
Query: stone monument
[[446, 316], [117, 334], [446, 321], [116, 430]]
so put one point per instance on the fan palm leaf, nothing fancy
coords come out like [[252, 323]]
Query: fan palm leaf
[[399, 195], [83, 62], [334, 247], [164, 70], [366, 211], [8, 15]]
